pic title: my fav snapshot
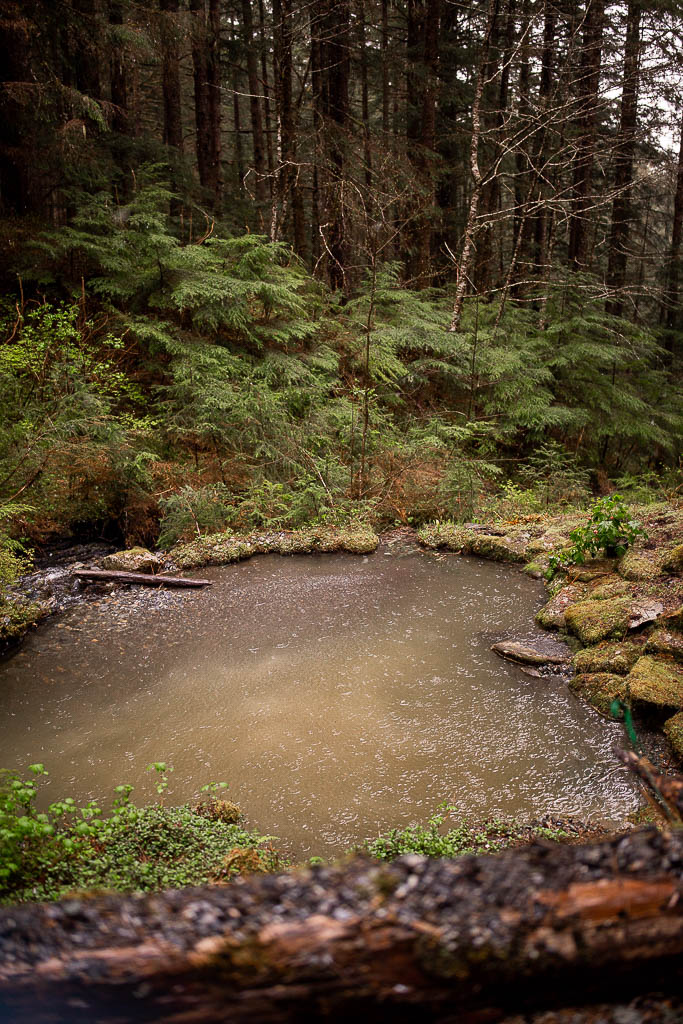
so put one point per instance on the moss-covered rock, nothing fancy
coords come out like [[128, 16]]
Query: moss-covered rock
[[599, 689], [450, 536], [224, 548], [500, 549], [658, 681], [132, 560], [673, 620], [665, 641], [593, 621], [609, 587], [594, 569], [674, 560], [615, 658], [17, 617], [673, 730], [552, 614], [642, 565]]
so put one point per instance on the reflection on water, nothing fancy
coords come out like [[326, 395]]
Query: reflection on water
[[337, 695]]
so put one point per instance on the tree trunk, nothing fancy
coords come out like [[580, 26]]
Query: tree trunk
[[258, 148], [207, 93], [467, 249], [173, 124], [476, 938], [672, 308], [588, 102], [623, 177], [118, 82]]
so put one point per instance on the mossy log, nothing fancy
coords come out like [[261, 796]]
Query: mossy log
[[472, 939]]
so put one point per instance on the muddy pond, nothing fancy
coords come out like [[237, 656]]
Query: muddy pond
[[338, 696]]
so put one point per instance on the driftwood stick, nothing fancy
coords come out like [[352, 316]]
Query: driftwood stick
[[473, 939], [147, 580]]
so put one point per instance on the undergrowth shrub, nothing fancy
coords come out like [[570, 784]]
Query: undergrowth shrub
[[610, 529], [44, 855], [431, 840]]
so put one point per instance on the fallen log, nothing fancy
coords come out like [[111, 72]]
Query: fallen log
[[146, 579], [474, 939]]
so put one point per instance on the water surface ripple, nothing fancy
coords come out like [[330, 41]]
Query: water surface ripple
[[338, 696]]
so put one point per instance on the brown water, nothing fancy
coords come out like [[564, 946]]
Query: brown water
[[338, 696]]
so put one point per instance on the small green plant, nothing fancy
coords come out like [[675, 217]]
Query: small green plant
[[610, 529], [46, 854], [431, 840]]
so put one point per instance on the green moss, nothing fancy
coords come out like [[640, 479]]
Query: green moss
[[673, 730], [17, 617], [599, 689], [610, 587], [674, 560], [658, 681], [615, 658], [552, 614], [450, 536], [593, 621], [499, 549], [674, 620], [224, 548], [642, 565], [664, 641]]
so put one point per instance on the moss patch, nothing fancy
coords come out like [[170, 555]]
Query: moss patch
[[448, 536], [615, 658], [593, 621], [610, 587], [642, 565], [673, 730], [674, 560], [657, 681], [552, 614], [17, 617], [499, 549], [224, 548], [665, 641], [599, 689]]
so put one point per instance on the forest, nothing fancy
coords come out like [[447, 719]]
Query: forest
[[268, 264]]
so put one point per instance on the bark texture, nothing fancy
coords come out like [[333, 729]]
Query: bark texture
[[474, 939]]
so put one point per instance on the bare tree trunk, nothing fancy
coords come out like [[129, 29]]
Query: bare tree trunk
[[118, 81], [588, 86], [258, 148], [623, 178], [267, 120], [476, 938], [466, 252], [170, 76], [672, 310]]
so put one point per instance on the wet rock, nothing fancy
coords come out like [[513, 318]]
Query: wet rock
[[448, 536], [674, 620], [642, 565], [614, 658], [657, 681], [599, 689], [500, 549], [673, 730], [665, 641], [674, 560], [552, 614], [529, 655], [593, 621], [594, 569], [225, 548], [610, 587], [132, 560]]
